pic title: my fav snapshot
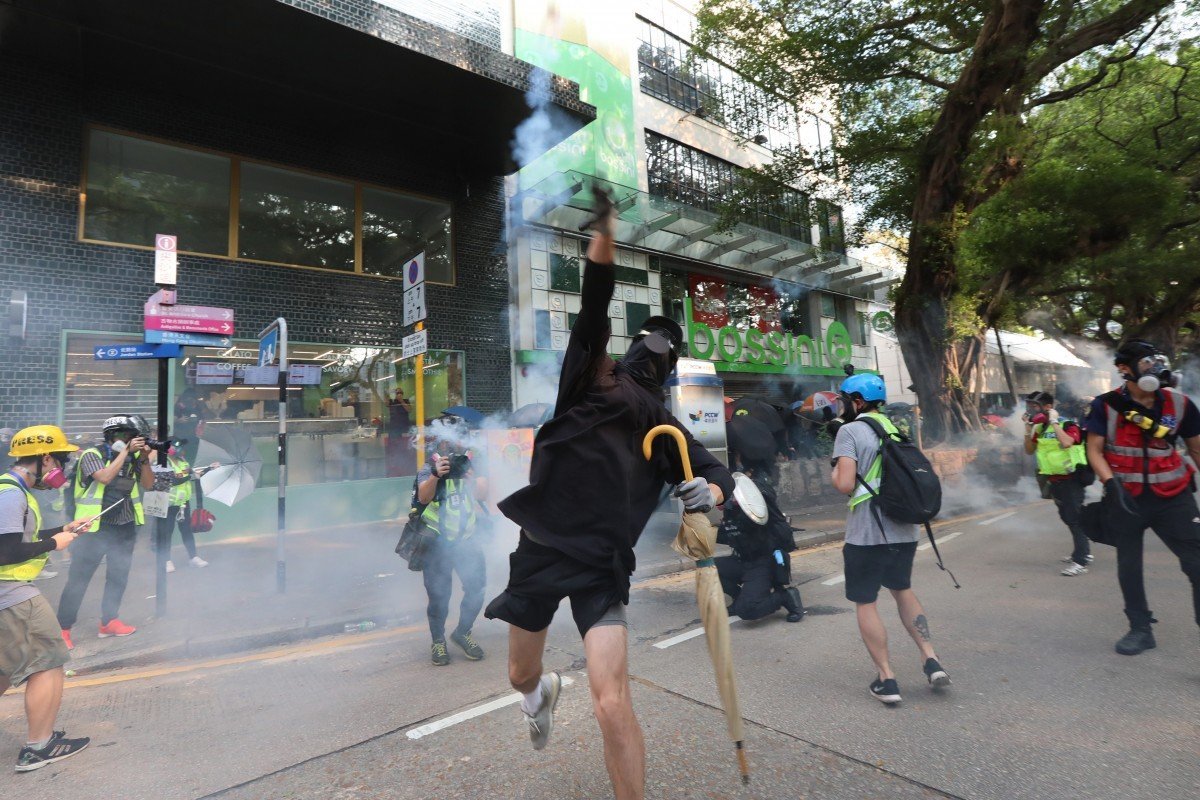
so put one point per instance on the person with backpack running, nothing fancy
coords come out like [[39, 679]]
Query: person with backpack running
[[879, 549], [1062, 461], [1132, 433]]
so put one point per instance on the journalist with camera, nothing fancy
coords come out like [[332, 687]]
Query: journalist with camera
[[107, 491], [450, 493]]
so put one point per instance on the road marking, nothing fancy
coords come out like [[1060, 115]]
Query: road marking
[[942, 539], [471, 713], [997, 519], [683, 637], [835, 580]]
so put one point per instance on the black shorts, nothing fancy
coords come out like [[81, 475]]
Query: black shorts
[[540, 577], [869, 567]]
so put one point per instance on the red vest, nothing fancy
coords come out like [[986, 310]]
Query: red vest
[[1137, 459]]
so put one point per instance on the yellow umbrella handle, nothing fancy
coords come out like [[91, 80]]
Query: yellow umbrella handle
[[680, 442]]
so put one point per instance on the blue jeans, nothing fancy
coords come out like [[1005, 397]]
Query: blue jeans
[[445, 558]]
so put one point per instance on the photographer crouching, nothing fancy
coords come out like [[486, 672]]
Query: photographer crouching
[[449, 490]]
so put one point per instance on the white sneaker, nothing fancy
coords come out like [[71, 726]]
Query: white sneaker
[[1068, 559], [1074, 569], [197, 561], [541, 723], [45, 575], [170, 566]]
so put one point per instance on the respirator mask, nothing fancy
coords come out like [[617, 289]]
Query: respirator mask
[[54, 479], [1154, 372]]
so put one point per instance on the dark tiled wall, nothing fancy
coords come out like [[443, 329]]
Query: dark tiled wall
[[75, 285]]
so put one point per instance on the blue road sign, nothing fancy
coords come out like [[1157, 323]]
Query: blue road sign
[[268, 348], [188, 339], [117, 352]]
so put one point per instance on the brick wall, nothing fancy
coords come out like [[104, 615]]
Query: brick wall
[[76, 285]]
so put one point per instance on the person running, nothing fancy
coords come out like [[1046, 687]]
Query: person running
[[878, 551], [33, 652], [1132, 436], [590, 494], [1062, 461]]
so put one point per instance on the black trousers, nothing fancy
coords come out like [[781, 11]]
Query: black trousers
[[166, 530], [111, 542], [466, 558], [1068, 496], [757, 586], [1176, 520]]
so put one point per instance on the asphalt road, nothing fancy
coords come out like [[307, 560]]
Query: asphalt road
[[1041, 706]]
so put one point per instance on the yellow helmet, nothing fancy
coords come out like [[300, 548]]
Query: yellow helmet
[[39, 440]]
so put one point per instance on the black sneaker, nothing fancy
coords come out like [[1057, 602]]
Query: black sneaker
[[1138, 640], [439, 654], [473, 651], [936, 675], [58, 748], [886, 691]]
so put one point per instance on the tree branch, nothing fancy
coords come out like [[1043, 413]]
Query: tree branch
[[907, 72], [1107, 30], [933, 47]]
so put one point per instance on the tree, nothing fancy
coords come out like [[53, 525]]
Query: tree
[[933, 96]]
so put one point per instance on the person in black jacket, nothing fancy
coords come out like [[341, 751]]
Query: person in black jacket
[[758, 575], [590, 493]]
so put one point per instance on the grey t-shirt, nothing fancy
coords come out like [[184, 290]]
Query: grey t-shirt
[[13, 517], [856, 440]]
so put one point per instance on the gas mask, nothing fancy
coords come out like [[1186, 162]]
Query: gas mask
[[1036, 414], [650, 359], [54, 479], [1154, 372], [118, 446]]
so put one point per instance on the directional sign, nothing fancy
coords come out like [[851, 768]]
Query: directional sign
[[268, 348], [414, 344], [192, 339], [414, 272], [166, 259], [414, 304], [117, 352], [188, 319]]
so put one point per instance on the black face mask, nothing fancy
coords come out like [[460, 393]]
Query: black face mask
[[851, 412], [649, 361]]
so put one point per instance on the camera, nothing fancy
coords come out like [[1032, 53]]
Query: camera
[[459, 464]]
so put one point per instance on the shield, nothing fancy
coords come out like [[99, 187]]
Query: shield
[[531, 415], [472, 416], [231, 447], [749, 499], [697, 539]]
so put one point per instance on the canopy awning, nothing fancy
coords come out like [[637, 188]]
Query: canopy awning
[[563, 200]]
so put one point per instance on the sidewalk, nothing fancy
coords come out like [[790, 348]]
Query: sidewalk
[[335, 577]]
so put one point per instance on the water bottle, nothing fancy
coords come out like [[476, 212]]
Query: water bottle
[[359, 627], [779, 558]]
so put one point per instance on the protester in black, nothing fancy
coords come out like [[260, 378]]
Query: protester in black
[[590, 494]]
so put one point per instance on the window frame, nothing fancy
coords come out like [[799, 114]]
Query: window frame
[[236, 162]]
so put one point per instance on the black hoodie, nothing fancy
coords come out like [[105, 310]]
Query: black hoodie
[[590, 490]]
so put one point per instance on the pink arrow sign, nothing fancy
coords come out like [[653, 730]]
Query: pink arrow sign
[[188, 319]]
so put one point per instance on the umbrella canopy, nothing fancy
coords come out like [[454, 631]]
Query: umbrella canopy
[[471, 416], [752, 440], [531, 415], [231, 447], [697, 540], [761, 410], [819, 407]]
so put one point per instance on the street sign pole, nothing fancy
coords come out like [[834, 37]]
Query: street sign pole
[[163, 548], [420, 405], [279, 326], [414, 311]]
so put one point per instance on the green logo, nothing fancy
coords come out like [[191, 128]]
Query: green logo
[[883, 322]]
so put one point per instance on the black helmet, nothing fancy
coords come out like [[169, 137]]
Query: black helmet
[[667, 327], [1041, 398], [1135, 350]]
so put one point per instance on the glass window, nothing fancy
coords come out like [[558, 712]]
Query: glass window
[[395, 227], [292, 218], [137, 188], [95, 390], [828, 306]]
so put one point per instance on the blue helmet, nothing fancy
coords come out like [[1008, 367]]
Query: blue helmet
[[867, 386]]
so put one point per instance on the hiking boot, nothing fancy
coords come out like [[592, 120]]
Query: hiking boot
[[936, 675], [58, 748], [793, 605], [1074, 569], [472, 650], [66, 634], [439, 654], [541, 723], [1138, 640], [885, 691], [116, 628]]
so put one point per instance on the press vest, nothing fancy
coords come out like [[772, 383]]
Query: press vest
[[89, 502], [26, 570], [1137, 459], [874, 474], [179, 494], [454, 515], [1053, 458]]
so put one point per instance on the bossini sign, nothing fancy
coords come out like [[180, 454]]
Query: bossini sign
[[736, 350]]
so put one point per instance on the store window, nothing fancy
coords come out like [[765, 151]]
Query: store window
[[136, 188], [291, 218], [395, 227], [829, 221], [828, 306]]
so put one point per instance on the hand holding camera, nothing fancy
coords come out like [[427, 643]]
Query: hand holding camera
[[441, 466]]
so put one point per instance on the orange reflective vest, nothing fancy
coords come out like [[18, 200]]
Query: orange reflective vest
[[1138, 459]]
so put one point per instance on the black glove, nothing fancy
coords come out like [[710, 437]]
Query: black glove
[[1117, 497]]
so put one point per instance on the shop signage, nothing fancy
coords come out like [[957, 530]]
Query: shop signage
[[189, 319], [414, 344], [188, 339], [166, 259], [118, 352], [736, 350]]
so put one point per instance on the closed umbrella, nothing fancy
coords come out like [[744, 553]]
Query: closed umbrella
[[239, 463], [697, 540]]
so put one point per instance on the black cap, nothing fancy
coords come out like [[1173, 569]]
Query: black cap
[[1041, 398], [668, 327]]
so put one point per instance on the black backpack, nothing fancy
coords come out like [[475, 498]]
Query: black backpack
[[909, 490]]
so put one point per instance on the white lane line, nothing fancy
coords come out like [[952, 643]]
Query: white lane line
[[683, 637], [997, 519], [471, 713], [835, 580], [941, 539]]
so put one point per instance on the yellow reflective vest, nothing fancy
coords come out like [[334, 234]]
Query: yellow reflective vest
[[179, 494], [26, 570], [453, 517], [1053, 458], [89, 502], [874, 476]]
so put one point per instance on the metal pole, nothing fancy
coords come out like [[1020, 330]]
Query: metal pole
[[420, 383], [161, 546], [280, 561]]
